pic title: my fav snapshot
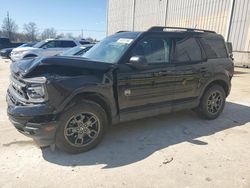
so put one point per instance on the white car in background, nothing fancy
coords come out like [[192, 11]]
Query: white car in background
[[49, 47]]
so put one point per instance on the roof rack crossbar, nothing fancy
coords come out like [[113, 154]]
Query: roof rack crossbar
[[161, 28]]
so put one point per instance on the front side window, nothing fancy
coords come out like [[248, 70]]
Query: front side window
[[40, 44], [187, 50], [154, 49], [50, 44]]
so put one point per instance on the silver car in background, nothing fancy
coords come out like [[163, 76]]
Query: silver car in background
[[49, 47]]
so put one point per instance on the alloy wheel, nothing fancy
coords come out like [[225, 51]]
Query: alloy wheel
[[82, 129], [214, 102]]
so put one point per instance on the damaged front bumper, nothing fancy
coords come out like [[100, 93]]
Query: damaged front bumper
[[34, 121]]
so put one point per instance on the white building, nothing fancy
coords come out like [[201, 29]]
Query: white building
[[231, 18]]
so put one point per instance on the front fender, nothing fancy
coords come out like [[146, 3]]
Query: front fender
[[63, 89], [104, 91], [30, 53]]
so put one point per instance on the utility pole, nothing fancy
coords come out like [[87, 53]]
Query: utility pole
[[8, 26], [230, 20], [166, 13], [133, 16], [82, 33]]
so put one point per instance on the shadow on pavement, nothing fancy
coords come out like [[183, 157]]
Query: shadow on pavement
[[131, 142]]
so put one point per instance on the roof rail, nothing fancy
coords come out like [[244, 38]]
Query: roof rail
[[161, 28], [121, 31]]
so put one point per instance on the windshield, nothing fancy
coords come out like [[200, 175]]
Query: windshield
[[111, 48], [39, 44], [72, 51]]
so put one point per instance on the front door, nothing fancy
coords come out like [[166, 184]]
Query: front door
[[49, 49], [147, 88]]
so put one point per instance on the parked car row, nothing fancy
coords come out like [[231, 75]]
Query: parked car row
[[6, 43], [49, 47], [5, 53]]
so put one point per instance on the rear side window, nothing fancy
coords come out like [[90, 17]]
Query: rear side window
[[215, 48], [187, 50], [67, 44]]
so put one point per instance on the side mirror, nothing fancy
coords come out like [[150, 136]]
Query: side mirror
[[138, 61], [44, 47]]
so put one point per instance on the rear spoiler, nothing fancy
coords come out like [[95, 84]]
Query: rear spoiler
[[229, 47]]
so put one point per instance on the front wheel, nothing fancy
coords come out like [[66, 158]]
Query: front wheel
[[82, 127], [212, 103]]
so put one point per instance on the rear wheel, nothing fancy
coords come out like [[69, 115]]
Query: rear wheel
[[212, 103], [82, 127]]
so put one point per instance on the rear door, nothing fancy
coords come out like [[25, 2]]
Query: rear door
[[191, 66], [150, 86]]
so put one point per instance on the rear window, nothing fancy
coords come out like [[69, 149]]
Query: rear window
[[84, 42], [187, 50], [215, 48]]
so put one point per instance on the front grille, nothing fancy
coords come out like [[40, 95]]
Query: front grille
[[17, 90], [13, 100]]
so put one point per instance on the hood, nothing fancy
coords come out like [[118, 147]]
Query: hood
[[7, 49], [25, 67], [18, 49]]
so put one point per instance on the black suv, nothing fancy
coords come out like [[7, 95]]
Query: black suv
[[70, 101]]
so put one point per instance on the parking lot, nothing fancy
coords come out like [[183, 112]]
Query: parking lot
[[175, 150]]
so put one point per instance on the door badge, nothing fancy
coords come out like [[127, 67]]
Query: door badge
[[127, 92]]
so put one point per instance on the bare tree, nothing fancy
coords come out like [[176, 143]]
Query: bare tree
[[69, 35], [61, 35], [30, 31], [48, 33], [9, 27]]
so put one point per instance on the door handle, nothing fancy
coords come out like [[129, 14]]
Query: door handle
[[203, 70], [160, 73]]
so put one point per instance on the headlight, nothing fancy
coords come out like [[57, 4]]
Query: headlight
[[17, 53], [36, 92], [36, 89]]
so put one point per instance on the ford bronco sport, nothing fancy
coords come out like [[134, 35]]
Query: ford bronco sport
[[70, 101]]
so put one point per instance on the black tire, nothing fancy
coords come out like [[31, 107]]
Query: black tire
[[71, 130], [210, 108]]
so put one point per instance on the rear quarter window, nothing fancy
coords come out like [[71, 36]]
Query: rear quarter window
[[187, 50], [214, 48]]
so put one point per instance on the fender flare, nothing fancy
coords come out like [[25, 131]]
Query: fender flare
[[30, 55], [217, 78], [108, 100]]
